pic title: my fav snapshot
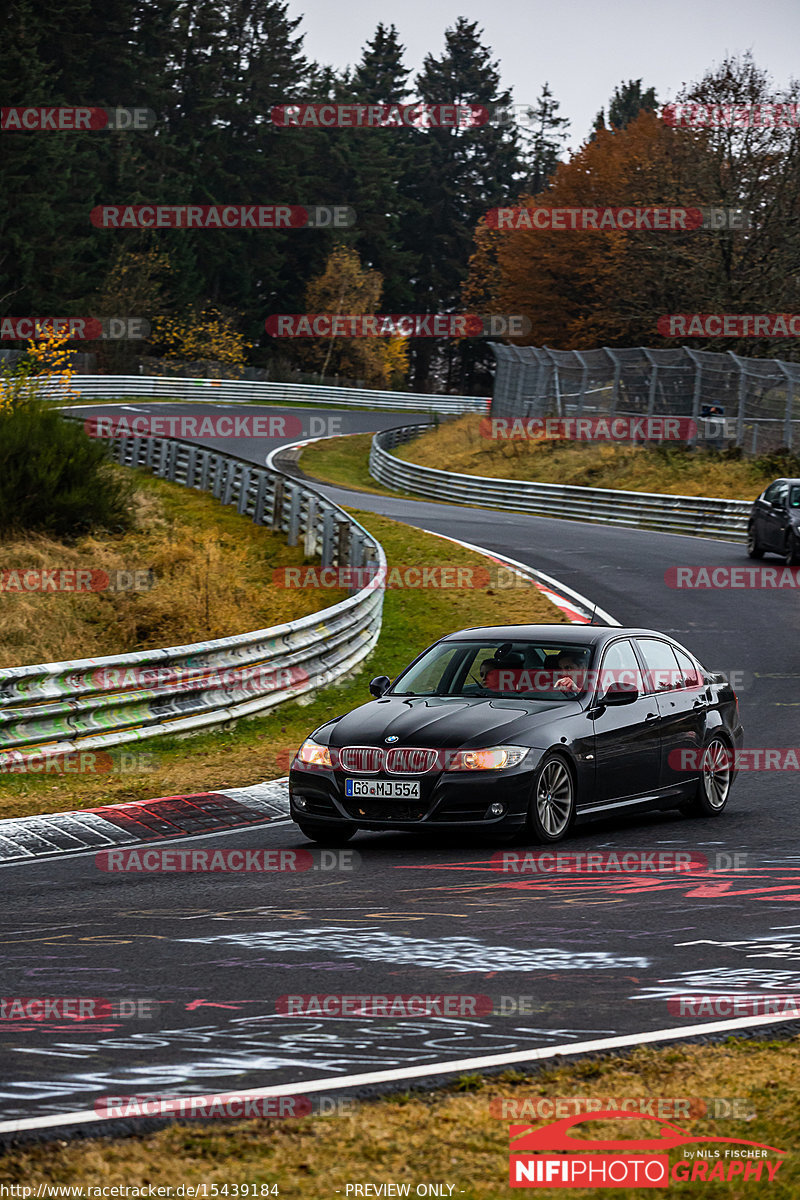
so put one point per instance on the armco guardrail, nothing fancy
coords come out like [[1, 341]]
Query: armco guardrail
[[109, 387], [700, 516], [58, 708]]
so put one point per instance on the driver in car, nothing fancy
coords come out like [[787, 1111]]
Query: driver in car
[[570, 672]]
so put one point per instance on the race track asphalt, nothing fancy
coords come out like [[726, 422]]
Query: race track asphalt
[[593, 957]]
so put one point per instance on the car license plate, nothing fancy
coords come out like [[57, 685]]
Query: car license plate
[[383, 789]]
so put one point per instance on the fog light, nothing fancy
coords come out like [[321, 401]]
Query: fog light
[[299, 802], [496, 810]]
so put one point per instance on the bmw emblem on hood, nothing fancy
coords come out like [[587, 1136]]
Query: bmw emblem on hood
[[391, 739]]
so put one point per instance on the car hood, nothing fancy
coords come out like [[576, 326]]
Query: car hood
[[451, 721]]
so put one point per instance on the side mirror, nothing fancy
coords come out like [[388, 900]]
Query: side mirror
[[379, 686], [620, 693]]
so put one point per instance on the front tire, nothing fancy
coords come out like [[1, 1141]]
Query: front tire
[[714, 784], [552, 807], [753, 548], [793, 551], [326, 835]]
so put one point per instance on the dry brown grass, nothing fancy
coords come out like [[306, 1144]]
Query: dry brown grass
[[261, 748], [459, 446], [213, 577]]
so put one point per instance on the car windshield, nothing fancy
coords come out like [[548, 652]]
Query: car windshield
[[551, 670]]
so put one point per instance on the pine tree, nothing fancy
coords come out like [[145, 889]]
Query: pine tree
[[459, 174], [626, 104], [542, 135]]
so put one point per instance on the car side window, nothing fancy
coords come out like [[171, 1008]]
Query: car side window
[[773, 491], [794, 496], [781, 496], [690, 676], [663, 673], [620, 665]]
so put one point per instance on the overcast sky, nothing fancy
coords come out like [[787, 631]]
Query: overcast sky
[[583, 49]]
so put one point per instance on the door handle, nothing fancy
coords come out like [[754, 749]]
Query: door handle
[[699, 704], [651, 717]]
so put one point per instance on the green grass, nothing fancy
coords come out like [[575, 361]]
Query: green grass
[[344, 462]]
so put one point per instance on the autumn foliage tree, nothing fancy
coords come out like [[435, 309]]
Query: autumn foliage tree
[[586, 289], [345, 286]]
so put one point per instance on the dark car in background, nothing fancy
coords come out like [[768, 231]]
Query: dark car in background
[[523, 728], [774, 524]]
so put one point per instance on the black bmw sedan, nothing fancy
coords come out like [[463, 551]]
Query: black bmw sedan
[[523, 728]]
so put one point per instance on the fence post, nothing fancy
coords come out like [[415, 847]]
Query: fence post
[[787, 415], [615, 385], [742, 398], [696, 394], [651, 399], [584, 380]]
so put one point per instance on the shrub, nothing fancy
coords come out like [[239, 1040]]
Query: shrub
[[54, 478]]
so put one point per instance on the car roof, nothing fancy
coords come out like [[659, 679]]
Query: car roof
[[582, 635], [783, 479]]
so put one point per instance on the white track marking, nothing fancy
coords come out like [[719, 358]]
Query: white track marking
[[402, 1074]]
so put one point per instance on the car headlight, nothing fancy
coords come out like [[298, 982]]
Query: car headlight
[[492, 759], [311, 754]]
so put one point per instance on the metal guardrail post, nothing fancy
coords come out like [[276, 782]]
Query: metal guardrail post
[[261, 498], [244, 490], [295, 500], [277, 505], [310, 535]]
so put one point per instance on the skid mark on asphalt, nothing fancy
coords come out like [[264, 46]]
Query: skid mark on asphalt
[[458, 953], [266, 1046]]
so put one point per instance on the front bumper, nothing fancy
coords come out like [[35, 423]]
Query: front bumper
[[448, 799]]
